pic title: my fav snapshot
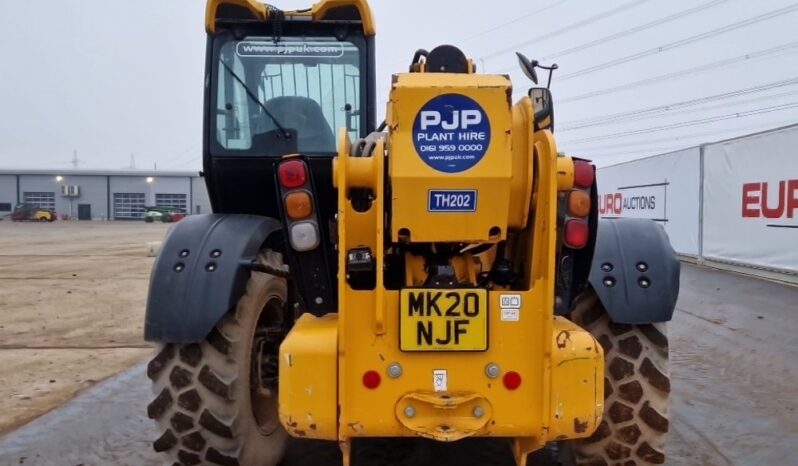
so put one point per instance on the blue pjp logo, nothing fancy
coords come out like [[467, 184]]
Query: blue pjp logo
[[451, 133]]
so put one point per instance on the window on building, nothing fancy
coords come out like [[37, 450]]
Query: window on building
[[172, 201], [128, 205], [41, 200], [5, 207]]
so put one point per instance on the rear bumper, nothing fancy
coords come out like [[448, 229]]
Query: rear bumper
[[560, 396]]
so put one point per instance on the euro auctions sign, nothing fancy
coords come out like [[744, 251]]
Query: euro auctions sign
[[663, 189], [751, 200], [635, 201], [776, 201]]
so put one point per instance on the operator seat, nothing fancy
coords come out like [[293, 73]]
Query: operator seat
[[304, 115]]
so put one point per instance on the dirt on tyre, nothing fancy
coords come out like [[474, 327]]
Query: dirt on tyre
[[636, 392], [208, 403]]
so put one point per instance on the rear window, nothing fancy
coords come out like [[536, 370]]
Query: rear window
[[311, 86]]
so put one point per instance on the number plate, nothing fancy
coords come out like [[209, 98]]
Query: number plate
[[443, 320]]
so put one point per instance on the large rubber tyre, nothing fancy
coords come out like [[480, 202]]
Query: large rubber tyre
[[636, 392], [204, 403]]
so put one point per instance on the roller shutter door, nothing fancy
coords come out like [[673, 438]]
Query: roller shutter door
[[42, 200], [129, 206]]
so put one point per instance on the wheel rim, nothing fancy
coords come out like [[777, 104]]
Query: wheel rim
[[265, 343]]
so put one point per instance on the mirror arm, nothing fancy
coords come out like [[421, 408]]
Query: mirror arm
[[551, 72]]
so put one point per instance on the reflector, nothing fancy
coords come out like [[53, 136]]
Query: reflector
[[371, 379], [512, 380]]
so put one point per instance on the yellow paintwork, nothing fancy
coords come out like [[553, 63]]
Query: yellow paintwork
[[565, 173], [561, 391], [323, 360], [43, 215], [308, 373], [257, 9], [577, 366], [317, 13], [321, 8], [455, 408], [523, 169], [412, 178]]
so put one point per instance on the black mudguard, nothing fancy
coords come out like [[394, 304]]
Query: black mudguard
[[200, 273], [635, 271]]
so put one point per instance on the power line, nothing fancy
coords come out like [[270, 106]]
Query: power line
[[514, 21], [650, 112], [628, 32], [677, 146], [686, 72], [679, 43], [500, 26], [190, 161], [182, 153], [568, 28], [646, 142], [700, 121], [661, 21], [704, 109], [641, 153]]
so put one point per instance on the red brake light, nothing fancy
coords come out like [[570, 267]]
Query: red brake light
[[583, 174], [576, 233], [292, 174]]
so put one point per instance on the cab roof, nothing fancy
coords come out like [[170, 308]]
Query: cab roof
[[345, 11]]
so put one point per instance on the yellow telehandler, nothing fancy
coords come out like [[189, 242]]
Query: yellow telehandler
[[441, 275]]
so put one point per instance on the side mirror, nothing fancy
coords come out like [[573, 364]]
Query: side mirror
[[528, 67], [543, 106]]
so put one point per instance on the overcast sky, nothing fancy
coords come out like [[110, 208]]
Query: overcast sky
[[110, 78]]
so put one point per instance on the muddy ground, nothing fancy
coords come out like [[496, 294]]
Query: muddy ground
[[71, 309], [734, 351]]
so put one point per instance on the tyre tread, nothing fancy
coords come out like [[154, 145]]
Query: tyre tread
[[197, 403], [637, 391]]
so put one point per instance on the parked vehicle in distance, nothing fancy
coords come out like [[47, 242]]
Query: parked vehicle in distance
[[29, 212], [162, 214]]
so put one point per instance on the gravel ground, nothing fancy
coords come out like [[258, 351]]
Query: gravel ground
[[71, 309], [734, 343]]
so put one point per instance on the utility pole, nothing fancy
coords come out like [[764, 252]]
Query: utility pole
[[75, 161]]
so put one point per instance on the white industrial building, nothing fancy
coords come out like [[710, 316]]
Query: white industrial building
[[102, 194]]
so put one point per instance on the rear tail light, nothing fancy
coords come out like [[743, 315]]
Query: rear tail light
[[583, 174], [304, 236], [292, 174], [298, 205], [511, 380], [576, 233], [578, 203]]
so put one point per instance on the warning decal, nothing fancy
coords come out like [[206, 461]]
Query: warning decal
[[451, 133]]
